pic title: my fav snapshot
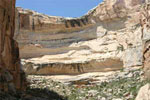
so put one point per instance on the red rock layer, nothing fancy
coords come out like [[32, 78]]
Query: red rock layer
[[11, 76]]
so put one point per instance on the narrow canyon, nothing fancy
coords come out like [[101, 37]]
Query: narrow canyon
[[113, 36]]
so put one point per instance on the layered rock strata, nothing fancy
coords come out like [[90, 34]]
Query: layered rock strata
[[110, 32], [12, 77]]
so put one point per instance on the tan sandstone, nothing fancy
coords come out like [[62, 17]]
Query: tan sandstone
[[144, 93], [110, 32]]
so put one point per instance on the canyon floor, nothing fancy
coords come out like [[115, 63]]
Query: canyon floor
[[123, 84]]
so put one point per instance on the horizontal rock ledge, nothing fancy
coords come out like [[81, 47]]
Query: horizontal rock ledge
[[73, 68]]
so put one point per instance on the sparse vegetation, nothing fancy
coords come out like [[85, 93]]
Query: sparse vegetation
[[120, 48], [124, 85]]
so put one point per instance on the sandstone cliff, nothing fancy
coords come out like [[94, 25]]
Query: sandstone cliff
[[107, 38], [145, 23], [11, 76], [144, 93]]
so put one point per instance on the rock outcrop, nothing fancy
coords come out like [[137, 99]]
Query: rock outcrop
[[110, 32], [144, 93], [12, 77], [145, 22]]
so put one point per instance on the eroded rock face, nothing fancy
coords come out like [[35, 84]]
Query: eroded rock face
[[109, 31], [11, 76], [46, 34], [42, 67], [145, 22], [144, 93]]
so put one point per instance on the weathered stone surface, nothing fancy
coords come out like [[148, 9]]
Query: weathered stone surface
[[144, 93], [45, 67], [133, 56], [109, 31], [52, 32], [11, 76], [145, 23]]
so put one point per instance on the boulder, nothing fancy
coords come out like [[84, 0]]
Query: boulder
[[144, 93]]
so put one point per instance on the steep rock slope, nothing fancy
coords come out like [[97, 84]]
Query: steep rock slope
[[145, 22], [107, 38], [11, 76], [144, 93]]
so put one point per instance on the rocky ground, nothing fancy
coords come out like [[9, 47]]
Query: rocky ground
[[120, 85]]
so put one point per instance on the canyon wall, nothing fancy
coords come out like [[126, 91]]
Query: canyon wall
[[145, 22], [12, 77], [108, 37], [144, 92], [48, 34]]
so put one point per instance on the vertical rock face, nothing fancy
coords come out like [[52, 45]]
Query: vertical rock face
[[144, 93], [145, 22], [11, 76]]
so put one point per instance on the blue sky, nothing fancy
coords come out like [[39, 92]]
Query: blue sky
[[65, 8]]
